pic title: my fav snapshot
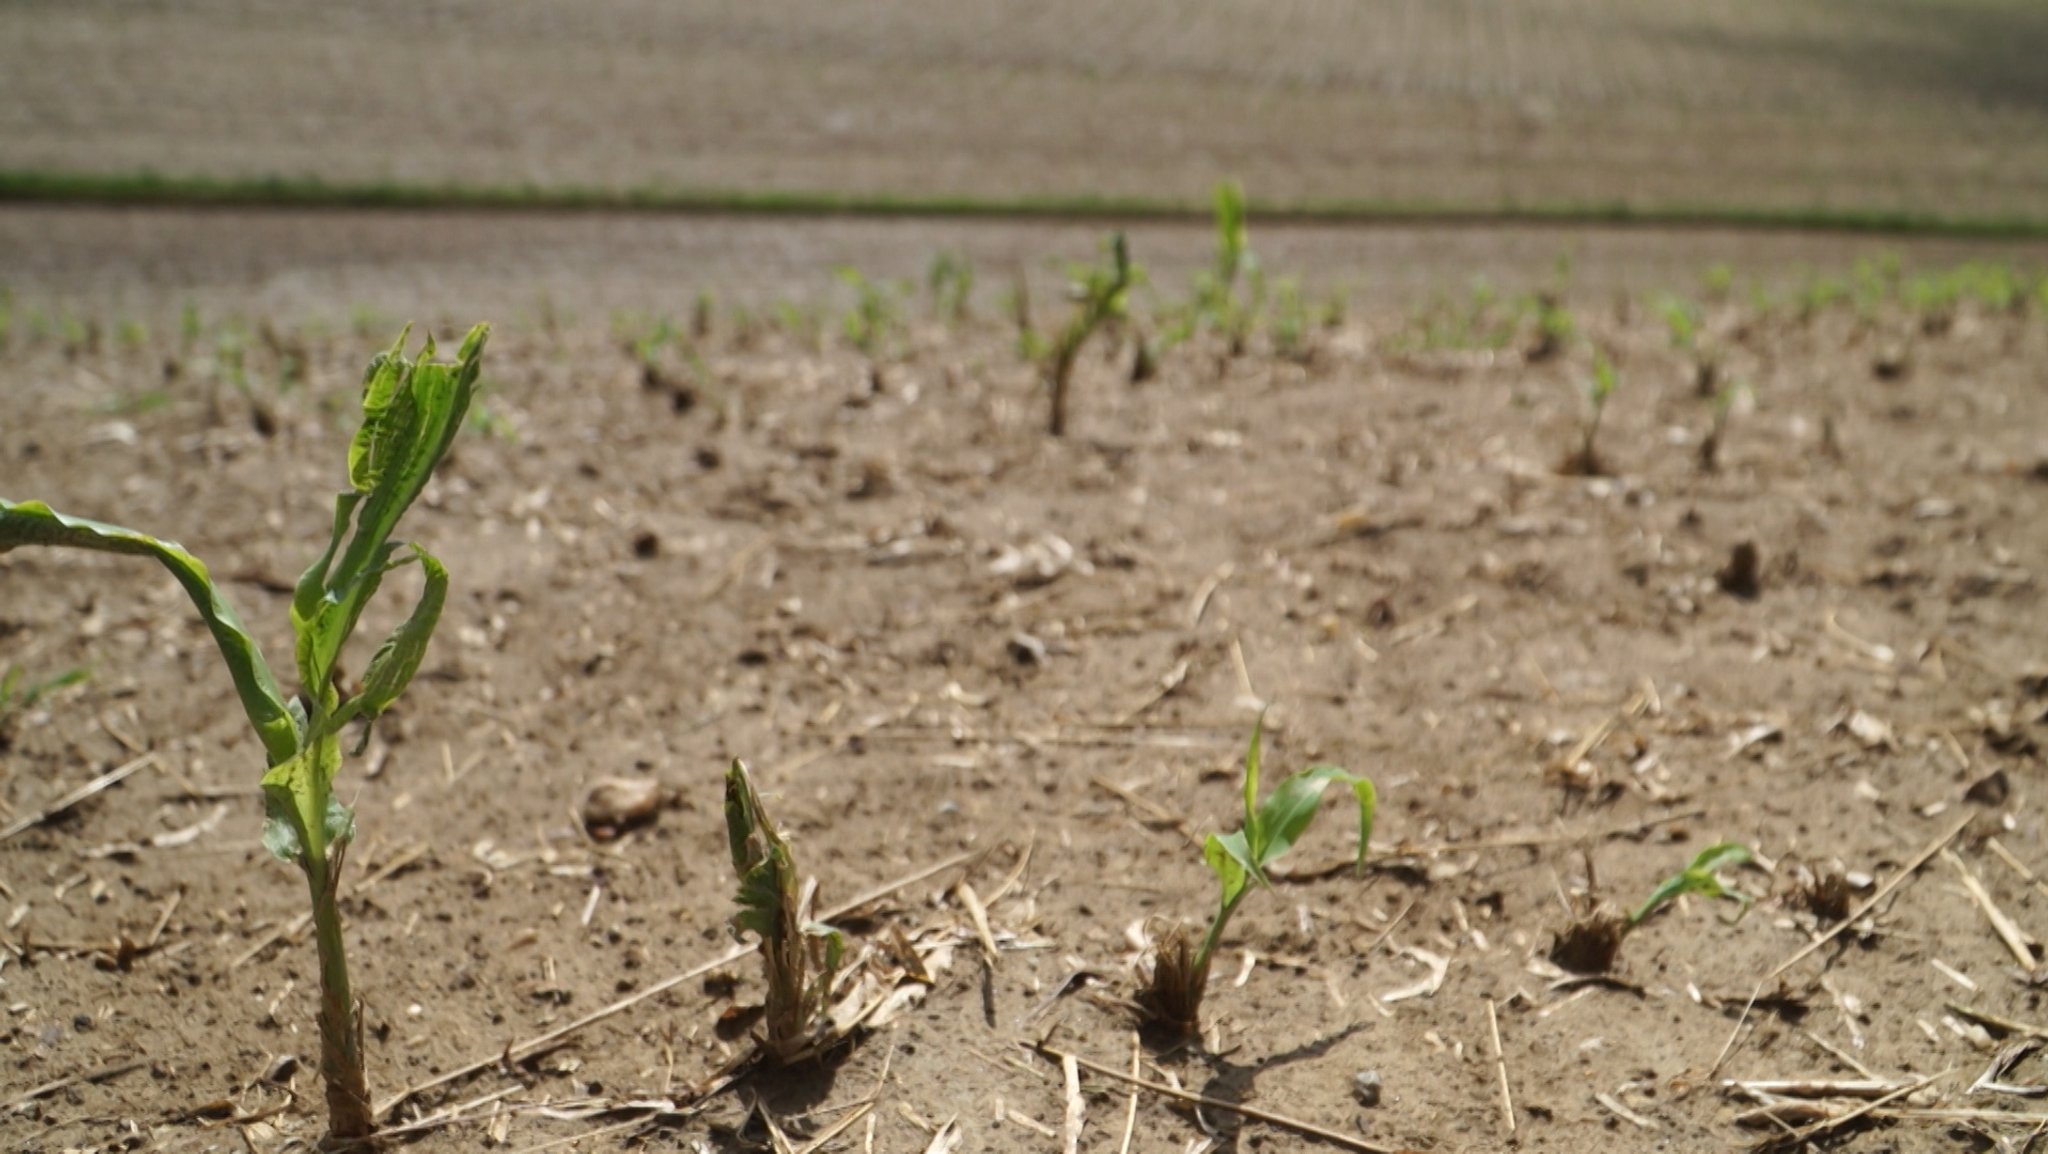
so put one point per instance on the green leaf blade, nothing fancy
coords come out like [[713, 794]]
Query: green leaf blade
[[396, 662], [35, 523], [1231, 861]]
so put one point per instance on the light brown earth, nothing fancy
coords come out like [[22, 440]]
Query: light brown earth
[[1924, 105], [798, 557]]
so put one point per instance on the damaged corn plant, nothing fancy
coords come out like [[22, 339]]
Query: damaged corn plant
[[1172, 997], [1591, 944], [411, 412], [1099, 292], [801, 957]]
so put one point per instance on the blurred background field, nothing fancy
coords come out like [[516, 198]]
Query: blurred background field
[[1759, 106]]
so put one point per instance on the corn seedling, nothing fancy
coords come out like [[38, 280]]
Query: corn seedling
[[412, 411], [1585, 461], [1718, 282], [1290, 320], [1592, 942], [1698, 878], [1554, 326], [1099, 291], [17, 698], [1481, 321], [1180, 968], [1017, 303], [1820, 294], [802, 323], [231, 359], [873, 319], [950, 281], [80, 335], [801, 957], [1216, 301], [1681, 322]]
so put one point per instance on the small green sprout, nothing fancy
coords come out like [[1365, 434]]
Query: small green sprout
[[873, 320], [647, 346], [1180, 970], [801, 958], [17, 699], [1291, 320], [950, 281], [1554, 326], [230, 359], [1216, 300], [1591, 943], [802, 323], [1585, 460], [1698, 878], [411, 414], [1099, 291], [1682, 322], [81, 334]]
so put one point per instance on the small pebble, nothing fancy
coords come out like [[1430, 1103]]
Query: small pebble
[[617, 804], [1366, 1086]]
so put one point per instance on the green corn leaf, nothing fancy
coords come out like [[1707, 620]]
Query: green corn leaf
[[1231, 861], [383, 386], [34, 523], [281, 827], [1252, 834], [412, 411], [767, 894], [835, 946], [1286, 815], [298, 793], [287, 808], [315, 623], [398, 659], [411, 414], [1720, 856], [36, 691], [1698, 878]]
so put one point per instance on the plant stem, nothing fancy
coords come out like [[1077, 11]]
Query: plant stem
[[341, 1051], [1215, 933]]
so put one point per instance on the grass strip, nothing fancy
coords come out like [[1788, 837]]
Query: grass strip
[[157, 189]]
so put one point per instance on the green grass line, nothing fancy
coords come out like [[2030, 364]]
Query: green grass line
[[149, 188]]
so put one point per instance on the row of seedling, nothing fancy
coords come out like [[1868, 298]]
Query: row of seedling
[[412, 408]]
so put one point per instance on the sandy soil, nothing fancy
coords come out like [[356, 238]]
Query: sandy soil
[[1908, 104], [933, 630]]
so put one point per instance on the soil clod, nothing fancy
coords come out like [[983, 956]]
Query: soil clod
[[1743, 575]]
